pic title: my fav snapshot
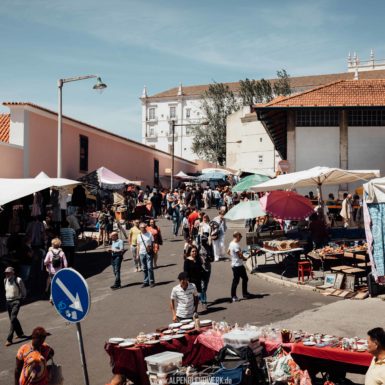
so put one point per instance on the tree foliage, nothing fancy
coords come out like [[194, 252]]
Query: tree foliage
[[210, 140], [263, 91]]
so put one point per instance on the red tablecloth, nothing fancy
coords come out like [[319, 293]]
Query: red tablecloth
[[333, 354], [131, 363], [215, 342]]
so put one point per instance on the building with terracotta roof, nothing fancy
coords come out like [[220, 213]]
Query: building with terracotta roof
[[183, 104], [28, 145], [341, 124]]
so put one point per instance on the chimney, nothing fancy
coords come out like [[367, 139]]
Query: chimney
[[180, 89], [144, 92]]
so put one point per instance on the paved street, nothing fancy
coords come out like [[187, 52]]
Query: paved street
[[130, 310]]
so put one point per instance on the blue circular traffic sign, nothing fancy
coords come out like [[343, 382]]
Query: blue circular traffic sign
[[70, 295]]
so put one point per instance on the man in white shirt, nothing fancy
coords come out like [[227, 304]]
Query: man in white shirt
[[184, 299], [376, 346], [144, 251], [14, 293], [238, 267]]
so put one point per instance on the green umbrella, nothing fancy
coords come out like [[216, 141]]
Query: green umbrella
[[249, 181], [245, 210]]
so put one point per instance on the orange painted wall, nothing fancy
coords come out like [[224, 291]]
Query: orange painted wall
[[11, 161], [130, 160]]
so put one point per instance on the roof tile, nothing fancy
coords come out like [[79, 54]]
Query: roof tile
[[5, 123], [343, 93], [298, 83]]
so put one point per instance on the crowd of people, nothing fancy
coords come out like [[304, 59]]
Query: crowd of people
[[204, 244]]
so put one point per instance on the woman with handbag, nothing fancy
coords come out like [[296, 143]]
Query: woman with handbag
[[144, 250], [158, 241]]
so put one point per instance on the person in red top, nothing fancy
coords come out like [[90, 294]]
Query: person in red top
[[31, 360], [192, 218]]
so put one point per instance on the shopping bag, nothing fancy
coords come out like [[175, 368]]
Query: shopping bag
[[55, 375]]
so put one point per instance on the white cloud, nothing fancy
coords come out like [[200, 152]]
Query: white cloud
[[260, 36]]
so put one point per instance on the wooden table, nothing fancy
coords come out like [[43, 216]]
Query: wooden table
[[324, 257]]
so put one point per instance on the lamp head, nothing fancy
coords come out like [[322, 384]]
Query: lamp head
[[99, 86]]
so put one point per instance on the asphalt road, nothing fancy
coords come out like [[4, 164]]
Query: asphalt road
[[132, 309]]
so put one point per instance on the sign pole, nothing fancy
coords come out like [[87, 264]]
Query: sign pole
[[82, 354]]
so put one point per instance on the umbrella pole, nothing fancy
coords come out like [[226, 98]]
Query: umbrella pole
[[319, 192], [320, 200]]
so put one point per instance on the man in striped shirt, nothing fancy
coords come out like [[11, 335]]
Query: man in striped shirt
[[184, 299]]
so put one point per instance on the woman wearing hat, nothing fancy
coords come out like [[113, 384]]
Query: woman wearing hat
[[31, 360]]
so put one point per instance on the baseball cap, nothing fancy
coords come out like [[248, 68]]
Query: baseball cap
[[39, 332]]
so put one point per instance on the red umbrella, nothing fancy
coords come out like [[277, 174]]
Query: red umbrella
[[286, 205]]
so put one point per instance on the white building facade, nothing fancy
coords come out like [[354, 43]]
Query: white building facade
[[249, 146], [158, 112], [183, 105]]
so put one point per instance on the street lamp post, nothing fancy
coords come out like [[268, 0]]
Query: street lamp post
[[173, 125], [98, 86]]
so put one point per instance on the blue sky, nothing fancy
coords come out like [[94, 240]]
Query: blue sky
[[131, 43]]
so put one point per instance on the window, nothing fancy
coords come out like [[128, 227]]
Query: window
[[317, 118], [151, 113], [188, 112], [260, 139], [83, 156], [367, 117], [190, 130], [170, 148], [151, 131], [260, 158], [152, 146], [172, 112], [156, 172]]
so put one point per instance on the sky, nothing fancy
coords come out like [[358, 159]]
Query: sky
[[132, 43]]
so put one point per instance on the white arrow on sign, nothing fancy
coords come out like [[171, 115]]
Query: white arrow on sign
[[76, 304]]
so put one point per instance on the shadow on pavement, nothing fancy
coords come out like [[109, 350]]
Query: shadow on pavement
[[132, 284], [92, 263], [253, 296], [220, 300], [164, 283], [213, 309], [162, 266]]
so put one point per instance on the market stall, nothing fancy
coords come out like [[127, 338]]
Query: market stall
[[155, 357]]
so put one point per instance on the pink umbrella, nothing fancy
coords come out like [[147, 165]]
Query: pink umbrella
[[286, 205]]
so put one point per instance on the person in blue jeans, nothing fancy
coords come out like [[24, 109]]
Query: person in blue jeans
[[144, 250], [116, 258], [176, 218]]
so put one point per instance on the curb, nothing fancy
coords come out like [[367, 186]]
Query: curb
[[283, 282]]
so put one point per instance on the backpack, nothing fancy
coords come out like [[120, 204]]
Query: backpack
[[56, 259], [214, 230]]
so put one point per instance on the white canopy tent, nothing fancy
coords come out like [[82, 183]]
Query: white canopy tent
[[12, 189], [375, 190], [184, 176], [216, 170], [107, 179], [316, 176]]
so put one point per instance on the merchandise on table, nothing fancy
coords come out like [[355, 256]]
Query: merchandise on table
[[165, 362], [239, 338], [281, 245]]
